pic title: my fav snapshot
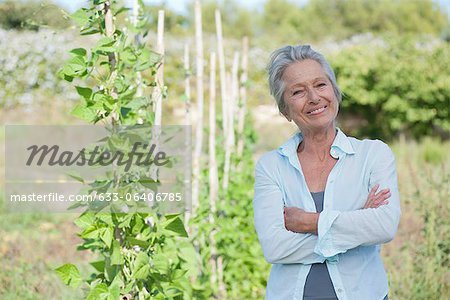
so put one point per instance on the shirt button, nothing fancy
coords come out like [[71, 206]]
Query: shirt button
[[340, 290]]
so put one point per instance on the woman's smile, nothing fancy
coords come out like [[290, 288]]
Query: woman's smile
[[317, 111]]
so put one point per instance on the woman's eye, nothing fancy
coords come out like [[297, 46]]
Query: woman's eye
[[297, 92], [321, 84]]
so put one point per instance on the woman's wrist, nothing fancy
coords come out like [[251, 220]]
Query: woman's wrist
[[308, 222], [313, 221]]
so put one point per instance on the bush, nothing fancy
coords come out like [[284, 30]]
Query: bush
[[31, 15], [396, 86]]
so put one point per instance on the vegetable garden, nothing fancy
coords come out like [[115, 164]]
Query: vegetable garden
[[121, 72]]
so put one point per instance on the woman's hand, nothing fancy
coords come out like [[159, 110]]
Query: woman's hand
[[375, 199], [297, 220]]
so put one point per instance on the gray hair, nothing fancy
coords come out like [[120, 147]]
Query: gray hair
[[285, 56]]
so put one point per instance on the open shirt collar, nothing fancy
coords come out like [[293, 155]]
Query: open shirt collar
[[341, 144]]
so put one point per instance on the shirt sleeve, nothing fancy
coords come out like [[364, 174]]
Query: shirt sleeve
[[340, 231], [279, 245]]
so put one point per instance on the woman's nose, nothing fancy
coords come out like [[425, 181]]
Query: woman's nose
[[313, 97]]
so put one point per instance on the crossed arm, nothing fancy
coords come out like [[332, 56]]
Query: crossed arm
[[300, 221], [320, 236]]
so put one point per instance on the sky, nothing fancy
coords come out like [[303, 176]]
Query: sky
[[179, 5]]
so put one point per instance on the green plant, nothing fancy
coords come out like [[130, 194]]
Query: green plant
[[245, 271], [395, 86], [138, 253]]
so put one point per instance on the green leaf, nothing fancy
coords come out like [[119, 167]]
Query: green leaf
[[78, 63], [78, 52], [161, 263], [171, 216], [141, 266], [84, 92], [110, 270], [177, 226], [149, 183], [89, 30], [77, 177], [90, 233], [98, 265], [106, 234], [85, 220], [69, 274], [116, 255], [124, 111], [137, 103], [84, 113], [100, 291], [147, 59], [76, 205], [106, 218], [125, 222], [128, 56], [101, 100], [105, 44], [80, 17], [114, 292], [138, 224], [136, 242], [120, 10]]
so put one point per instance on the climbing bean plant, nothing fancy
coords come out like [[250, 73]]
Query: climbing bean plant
[[138, 255]]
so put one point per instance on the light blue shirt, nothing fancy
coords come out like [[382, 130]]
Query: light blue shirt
[[349, 237]]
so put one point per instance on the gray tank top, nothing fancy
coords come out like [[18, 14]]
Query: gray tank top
[[318, 285], [318, 282]]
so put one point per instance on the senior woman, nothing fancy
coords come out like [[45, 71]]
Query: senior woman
[[324, 202]]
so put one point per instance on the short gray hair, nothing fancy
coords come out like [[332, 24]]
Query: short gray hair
[[285, 56]]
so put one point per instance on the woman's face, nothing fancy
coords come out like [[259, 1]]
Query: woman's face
[[309, 96]]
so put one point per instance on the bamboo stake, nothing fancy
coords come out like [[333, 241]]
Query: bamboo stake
[[234, 98], [233, 83], [112, 57], [199, 129], [228, 141], [158, 90], [242, 98], [222, 288], [222, 72], [213, 176], [134, 17], [160, 73], [187, 94]]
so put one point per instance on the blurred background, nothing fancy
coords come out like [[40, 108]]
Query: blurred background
[[391, 59]]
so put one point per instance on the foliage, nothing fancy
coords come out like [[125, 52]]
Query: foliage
[[396, 85], [245, 271], [138, 252], [319, 19], [31, 15], [28, 65], [417, 260]]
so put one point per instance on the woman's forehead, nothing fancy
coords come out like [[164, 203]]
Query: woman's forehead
[[303, 72]]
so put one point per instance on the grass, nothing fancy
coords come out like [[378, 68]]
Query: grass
[[417, 259]]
